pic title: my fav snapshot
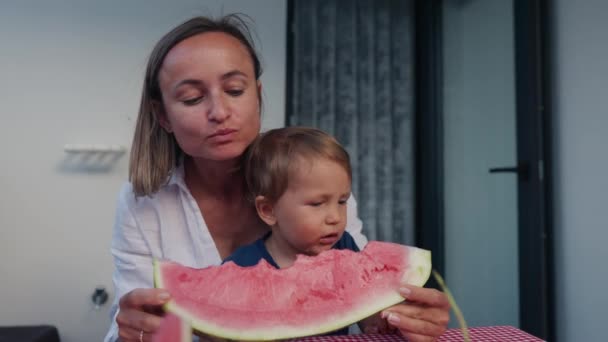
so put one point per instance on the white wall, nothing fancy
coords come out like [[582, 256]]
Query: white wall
[[581, 168], [67, 66], [71, 72]]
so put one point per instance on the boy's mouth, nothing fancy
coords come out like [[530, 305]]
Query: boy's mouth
[[329, 239]]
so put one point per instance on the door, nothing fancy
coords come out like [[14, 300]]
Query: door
[[479, 134], [487, 177]]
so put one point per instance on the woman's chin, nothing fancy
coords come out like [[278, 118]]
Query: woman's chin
[[220, 154]]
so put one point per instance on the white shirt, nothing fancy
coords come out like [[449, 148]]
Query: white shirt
[[169, 225]]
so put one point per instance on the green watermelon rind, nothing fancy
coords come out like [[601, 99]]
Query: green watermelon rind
[[418, 272], [186, 329]]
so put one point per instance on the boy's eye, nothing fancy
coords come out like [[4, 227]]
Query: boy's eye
[[315, 204], [343, 201]]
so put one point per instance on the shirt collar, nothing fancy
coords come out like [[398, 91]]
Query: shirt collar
[[178, 176]]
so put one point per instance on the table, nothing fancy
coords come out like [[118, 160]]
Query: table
[[477, 334]]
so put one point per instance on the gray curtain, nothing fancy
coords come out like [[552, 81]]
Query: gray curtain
[[352, 76]]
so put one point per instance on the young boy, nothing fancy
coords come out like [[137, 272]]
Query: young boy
[[299, 179]]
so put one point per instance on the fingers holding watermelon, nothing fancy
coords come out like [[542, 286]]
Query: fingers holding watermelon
[[132, 335], [140, 310], [423, 317], [140, 298], [429, 297], [376, 325]]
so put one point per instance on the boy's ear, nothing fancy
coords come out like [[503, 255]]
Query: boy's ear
[[159, 111], [265, 210]]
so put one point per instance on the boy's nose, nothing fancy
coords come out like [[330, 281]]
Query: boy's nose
[[334, 215]]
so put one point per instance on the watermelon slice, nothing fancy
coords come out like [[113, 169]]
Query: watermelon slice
[[313, 296], [173, 329]]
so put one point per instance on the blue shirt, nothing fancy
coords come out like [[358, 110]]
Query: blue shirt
[[251, 254]]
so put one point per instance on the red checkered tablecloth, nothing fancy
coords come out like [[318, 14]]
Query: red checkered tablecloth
[[479, 334]]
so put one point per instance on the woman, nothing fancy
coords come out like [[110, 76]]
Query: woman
[[186, 200]]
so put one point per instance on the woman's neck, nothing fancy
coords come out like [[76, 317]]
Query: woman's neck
[[217, 179]]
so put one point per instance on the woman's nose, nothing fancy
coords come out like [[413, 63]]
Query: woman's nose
[[219, 109]]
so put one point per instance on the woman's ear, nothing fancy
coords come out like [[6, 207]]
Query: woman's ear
[[159, 111], [265, 210]]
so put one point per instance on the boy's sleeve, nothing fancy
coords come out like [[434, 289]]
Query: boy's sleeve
[[245, 256], [234, 257], [347, 242]]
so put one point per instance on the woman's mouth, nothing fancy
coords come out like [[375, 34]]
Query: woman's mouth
[[223, 135]]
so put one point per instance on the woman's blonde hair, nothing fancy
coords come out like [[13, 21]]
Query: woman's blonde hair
[[154, 151], [275, 154]]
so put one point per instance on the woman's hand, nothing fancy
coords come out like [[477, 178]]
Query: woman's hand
[[375, 324], [423, 317], [140, 313]]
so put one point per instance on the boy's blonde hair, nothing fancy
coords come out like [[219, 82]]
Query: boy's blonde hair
[[274, 155]]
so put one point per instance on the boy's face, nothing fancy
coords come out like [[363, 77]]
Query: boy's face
[[311, 214]]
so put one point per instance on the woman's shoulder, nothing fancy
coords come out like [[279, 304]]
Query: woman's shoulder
[[164, 224]]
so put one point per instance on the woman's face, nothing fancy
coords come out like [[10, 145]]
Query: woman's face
[[210, 96]]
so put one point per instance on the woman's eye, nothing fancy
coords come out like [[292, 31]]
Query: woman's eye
[[235, 92], [342, 201], [192, 101]]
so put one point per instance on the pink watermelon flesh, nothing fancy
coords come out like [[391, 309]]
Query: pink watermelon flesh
[[315, 295], [173, 329]]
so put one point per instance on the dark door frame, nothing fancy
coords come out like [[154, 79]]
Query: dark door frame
[[533, 116]]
